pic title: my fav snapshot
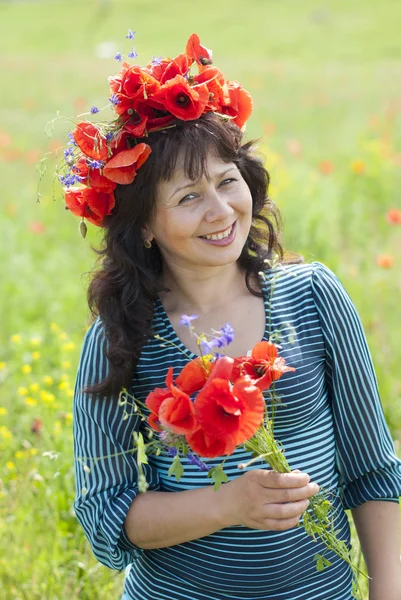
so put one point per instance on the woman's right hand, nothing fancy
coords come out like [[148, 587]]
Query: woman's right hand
[[264, 499]]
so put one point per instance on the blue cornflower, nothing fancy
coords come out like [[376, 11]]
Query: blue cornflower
[[114, 100], [227, 333], [186, 319], [130, 35], [157, 60], [171, 451], [208, 346], [109, 136], [95, 164], [68, 152], [119, 56], [94, 110], [133, 54], [71, 139], [194, 459], [69, 180]]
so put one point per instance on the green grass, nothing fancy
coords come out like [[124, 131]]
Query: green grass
[[325, 83]]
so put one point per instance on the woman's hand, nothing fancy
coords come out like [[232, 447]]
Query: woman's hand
[[262, 499]]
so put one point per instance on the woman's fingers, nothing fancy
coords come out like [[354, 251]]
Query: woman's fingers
[[287, 511], [271, 479], [291, 494]]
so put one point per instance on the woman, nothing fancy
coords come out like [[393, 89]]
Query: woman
[[188, 230]]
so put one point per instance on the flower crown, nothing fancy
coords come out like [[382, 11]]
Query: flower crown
[[145, 99]]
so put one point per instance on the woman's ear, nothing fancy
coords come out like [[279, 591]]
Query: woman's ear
[[147, 234]]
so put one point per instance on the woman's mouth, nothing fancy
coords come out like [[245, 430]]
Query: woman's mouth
[[222, 238]]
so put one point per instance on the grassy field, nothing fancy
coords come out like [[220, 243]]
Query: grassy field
[[325, 78]]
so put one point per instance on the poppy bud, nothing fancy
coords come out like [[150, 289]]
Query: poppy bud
[[83, 228]]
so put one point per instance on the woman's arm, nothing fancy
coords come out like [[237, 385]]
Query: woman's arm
[[378, 525], [259, 499]]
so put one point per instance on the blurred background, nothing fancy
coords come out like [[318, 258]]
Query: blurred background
[[325, 79]]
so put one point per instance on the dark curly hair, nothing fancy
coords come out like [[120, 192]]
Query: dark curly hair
[[122, 292]]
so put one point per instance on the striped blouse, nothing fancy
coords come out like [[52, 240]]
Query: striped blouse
[[330, 422]]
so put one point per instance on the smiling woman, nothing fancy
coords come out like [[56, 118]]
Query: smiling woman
[[189, 228]]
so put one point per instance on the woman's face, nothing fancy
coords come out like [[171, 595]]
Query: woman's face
[[202, 223]]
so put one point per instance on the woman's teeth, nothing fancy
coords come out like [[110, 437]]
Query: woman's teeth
[[219, 236]]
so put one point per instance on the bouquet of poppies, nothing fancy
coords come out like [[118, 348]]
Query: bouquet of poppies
[[216, 405]]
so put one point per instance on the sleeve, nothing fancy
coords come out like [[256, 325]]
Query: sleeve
[[105, 469], [368, 466]]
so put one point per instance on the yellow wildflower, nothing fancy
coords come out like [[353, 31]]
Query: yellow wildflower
[[33, 451], [69, 393], [10, 465], [63, 385], [47, 380], [68, 418], [26, 369], [29, 401], [69, 346], [66, 364], [47, 397], [5, 433], [3, 366], [3, 411], [36, 341], [63, 336], [358, 167], [35, 355], [22, 391], [34, 387], [16, 338], [19, 454]]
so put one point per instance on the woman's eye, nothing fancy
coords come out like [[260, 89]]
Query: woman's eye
[[227, 181], [187, 198]]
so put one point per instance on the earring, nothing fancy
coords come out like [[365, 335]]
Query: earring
[[147, 243]]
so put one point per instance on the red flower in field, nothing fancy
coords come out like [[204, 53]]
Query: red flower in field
[[192, 377], [196, 52], [182, 100], [263, 367], [326, 167], [89, 203], [93, 178], [89, 140], [176, 413], [123, 166], [37, 227], [394, 216], [131, 86], [385, 261], [239, 104]]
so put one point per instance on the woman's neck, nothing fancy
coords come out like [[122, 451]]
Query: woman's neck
[[201, 292]]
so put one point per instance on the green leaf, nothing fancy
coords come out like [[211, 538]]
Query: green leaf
[[218, 476], [176, 468]]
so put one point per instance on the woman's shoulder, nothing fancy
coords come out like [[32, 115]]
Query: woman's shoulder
[[299, 275]]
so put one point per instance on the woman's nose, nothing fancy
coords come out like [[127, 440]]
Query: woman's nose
[[218, 207]]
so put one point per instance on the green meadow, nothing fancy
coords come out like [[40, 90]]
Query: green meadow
[[325, 79]]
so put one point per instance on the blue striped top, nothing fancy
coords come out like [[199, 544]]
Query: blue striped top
[[330, 422]]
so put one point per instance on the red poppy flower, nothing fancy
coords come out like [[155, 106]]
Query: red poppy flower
[[207, 446], [155, 398], [192, 377], [177, 413], [263, 367], [123, 166], [182, 100], [218, 91], [196, 52], [88, 139], [89, 203], [157, 117], [92, 177], [131, 85], [394, 216], [240, 104], [178, 66]]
